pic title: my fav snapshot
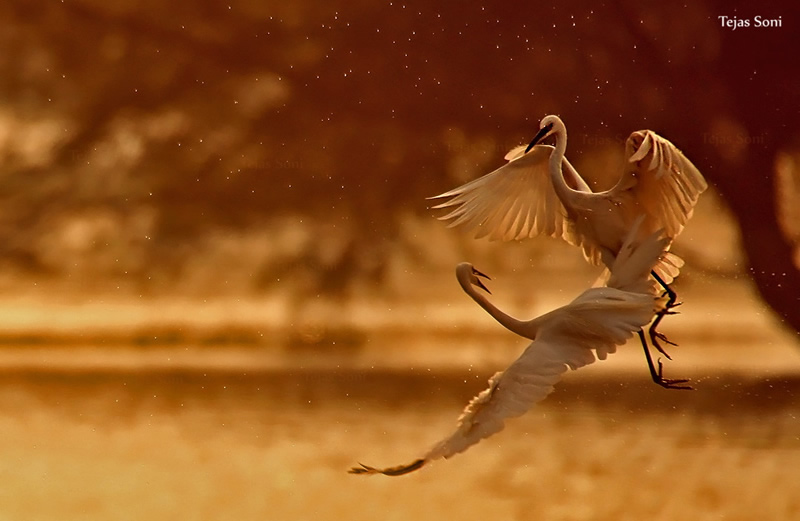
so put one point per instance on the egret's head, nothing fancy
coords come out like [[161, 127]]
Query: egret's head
[[467, 274], [548, 126]]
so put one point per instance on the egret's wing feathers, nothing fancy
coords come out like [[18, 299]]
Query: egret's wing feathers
[[516, 152], [661, 179], [603, 318], [633, 264], [589, 328], [668, 267], [511, 393], [515, 201]]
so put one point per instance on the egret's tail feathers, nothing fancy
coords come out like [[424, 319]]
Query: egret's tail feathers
[[667, 267], [632, 267], [389, 471]]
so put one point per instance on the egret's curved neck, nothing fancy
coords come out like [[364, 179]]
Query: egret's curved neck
[[528, 329], [556, 162]]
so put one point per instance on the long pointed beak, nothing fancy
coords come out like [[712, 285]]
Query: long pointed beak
[[479, 274], [540, 136], [478, 282]]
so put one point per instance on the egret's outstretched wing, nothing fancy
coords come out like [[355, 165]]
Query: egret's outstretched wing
[[661, 179], [515, 201], [571, 176], [590, 327], [512, 392], [669, 267]]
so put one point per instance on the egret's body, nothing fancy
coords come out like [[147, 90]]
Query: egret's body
[[588, 328], [538, 192]]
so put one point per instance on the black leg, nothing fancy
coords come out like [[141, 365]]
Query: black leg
[[655, 336], [657, 374]]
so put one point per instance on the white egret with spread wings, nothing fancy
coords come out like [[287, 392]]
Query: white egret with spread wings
[[589, 328], [538, 192]]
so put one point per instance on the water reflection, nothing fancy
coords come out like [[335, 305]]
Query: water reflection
[[203, 442]]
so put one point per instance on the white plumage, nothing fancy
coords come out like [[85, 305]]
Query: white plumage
[[589, 328], [538, 192]]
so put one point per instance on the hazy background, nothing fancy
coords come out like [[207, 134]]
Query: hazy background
[[221, 283]]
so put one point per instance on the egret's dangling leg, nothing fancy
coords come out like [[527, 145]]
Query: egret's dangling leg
[[655, 336], [657, 374]]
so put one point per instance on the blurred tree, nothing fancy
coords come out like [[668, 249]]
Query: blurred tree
[[181, 120], [740, 110]]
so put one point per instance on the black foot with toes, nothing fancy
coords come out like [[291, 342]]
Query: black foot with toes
[[670, 383]]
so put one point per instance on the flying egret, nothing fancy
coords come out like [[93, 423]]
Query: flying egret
[[519, 200], [592, 325]]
